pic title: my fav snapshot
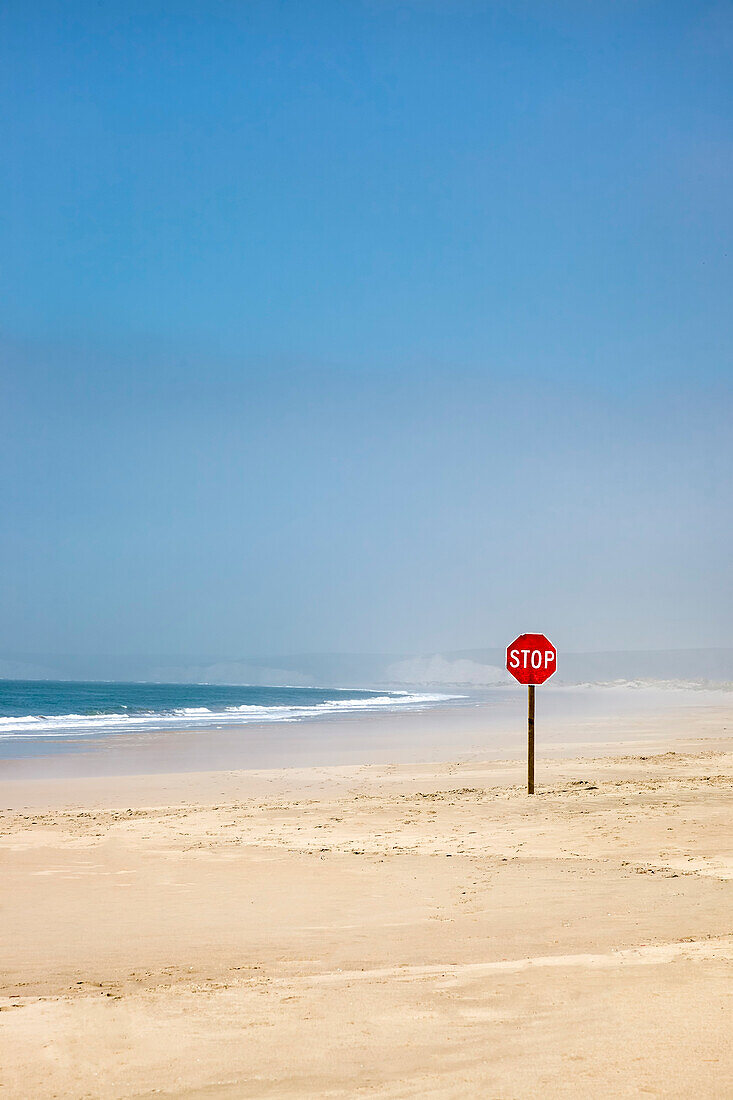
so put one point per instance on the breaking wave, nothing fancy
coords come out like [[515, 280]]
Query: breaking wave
[[199, 717]]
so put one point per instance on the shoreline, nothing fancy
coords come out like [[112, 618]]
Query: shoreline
[[476, 726]]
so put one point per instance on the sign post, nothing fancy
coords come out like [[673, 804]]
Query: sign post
[[530, 739], [531, 659]]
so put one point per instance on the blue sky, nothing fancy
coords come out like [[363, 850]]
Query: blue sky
[[365, 326]]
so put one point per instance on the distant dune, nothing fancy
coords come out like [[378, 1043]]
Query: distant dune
[[467, 668]]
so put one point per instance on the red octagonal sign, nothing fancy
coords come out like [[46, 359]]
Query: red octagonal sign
[[531, 659]]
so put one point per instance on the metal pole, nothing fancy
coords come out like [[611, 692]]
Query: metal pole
[[530, 740]]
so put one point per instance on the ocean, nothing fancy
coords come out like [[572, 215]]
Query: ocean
[[40, 716]]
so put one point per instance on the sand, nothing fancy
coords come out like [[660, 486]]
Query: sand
[[373, 930]]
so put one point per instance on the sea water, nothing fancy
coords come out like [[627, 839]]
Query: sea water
[[37, 716]]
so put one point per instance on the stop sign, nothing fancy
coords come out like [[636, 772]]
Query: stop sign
[[531, 659]]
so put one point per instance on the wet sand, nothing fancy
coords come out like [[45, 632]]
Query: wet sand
[[387, 930], [483, 726]]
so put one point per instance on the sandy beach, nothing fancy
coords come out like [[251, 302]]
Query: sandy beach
[[381, 930]]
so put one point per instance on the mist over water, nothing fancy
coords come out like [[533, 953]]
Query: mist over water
[[476, 668]]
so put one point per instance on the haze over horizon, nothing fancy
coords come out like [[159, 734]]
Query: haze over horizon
[[374, 327]]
